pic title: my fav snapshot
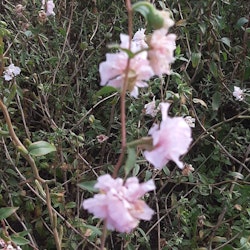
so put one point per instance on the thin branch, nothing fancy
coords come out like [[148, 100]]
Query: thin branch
[[20, 147]]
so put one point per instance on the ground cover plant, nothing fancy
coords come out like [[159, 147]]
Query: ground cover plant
[[125, 124]]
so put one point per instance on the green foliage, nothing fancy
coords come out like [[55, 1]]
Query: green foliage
[[5, 212], [40, 148], [57, 103]]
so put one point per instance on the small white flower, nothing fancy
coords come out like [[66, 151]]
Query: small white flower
[[11, 71], [150, 108], [238, 93], [190, 121], [10, 247]]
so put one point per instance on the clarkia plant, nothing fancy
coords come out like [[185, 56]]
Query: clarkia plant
[[145, 166], [138, 59]]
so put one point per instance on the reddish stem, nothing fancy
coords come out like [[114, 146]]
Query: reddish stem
[[123, 95]]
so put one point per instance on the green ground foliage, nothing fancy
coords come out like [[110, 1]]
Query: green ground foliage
[[55, 102]]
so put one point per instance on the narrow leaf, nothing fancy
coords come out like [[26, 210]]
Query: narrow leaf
[[130, 163], [5, 212], [88, 185], [11, 95], [195, 58], [19, 240], [196, 100], [216, 101], [106, 90], [214, 69]]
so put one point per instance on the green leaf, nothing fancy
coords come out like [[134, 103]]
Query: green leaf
[[219, 239], [216, 101], [214, 69], [106, 90], [5, 212], [226, 41], [196, 100], [71, 204], [202, 27], [88, 185], [130, 162], [242, 21], [11, 95], [143, 234], [236, 175], [19, 240], [152, 16], [136, 169], [40, 148], [195, 58], [94, 230]]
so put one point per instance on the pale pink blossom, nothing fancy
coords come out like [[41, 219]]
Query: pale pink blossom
[[170, 140], [119, 202], [11, 71], [150, 108], [161, 53], [49, 7], [238, 94], [112, 71], [139, 40]]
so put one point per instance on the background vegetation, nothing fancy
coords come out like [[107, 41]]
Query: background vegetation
[[55, 99]]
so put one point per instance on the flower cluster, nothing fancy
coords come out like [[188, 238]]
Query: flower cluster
[[151, 56], [11, 71], [119, 203]]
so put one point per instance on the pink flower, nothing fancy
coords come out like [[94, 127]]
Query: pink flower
[[49, 7], [101, 138], [161, 53], [112, 71], [170, 140], [150, 108], [238, 94], [139, 40], [119, 203], [11, 71]]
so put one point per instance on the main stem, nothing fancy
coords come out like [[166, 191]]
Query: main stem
[[123, 113], [123, 94]]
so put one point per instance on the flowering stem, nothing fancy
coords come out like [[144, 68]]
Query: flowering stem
[[123, 95]]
